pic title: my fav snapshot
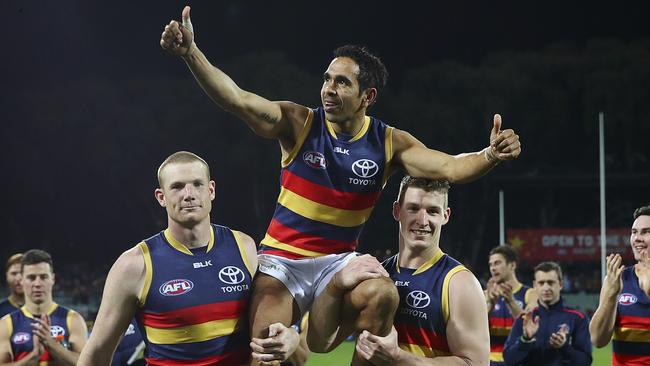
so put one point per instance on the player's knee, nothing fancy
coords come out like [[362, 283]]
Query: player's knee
[[378, 295]]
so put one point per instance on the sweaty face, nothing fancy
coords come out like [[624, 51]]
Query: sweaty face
[[548, 286], [187, 193], [640, 236], [421, 217], [14, 278], [500, 270], [37, 281], [340, 92]]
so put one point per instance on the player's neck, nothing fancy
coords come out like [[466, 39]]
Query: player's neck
[[39, 309], [351, 126], [17, 299], [192, 237], [514, 282], [414, 257]]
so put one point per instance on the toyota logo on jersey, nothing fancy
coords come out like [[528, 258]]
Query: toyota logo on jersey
[[231, 275], [176, 287], [418, 299], [365, 168]]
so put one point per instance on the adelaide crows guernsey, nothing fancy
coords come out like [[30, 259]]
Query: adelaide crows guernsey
[[7, 306], [423, 312], [20, 328], [194, 305], [501, 320], [328, 188], [631, 338]]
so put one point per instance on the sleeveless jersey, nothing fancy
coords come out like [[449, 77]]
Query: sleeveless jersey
[[127, 345], [500, 320], [193, 307], [423, 312], [631, 338], [328, 188], [20, 329], [7, 306]]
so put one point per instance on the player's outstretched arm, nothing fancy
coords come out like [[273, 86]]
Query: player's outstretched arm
[[277, 120], [601, 326], [119, 303], [420, 161]]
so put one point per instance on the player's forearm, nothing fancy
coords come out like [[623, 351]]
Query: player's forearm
[[514, 308], [468, 167], [601, 326], [219, 86], [409, 359], [62, 356], [91, 356]]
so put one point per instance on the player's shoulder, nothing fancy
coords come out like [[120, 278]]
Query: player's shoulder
[[130, 262]]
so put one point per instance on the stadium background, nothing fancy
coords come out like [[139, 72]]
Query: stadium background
[[91, 105]]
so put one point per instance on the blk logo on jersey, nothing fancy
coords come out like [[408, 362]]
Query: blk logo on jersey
[[176, 287], [627, 299], [203, 264], [314, 159], [340, 150], [20, 338], [232, 276]]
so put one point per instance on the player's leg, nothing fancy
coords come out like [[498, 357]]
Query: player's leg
[[271, 303]]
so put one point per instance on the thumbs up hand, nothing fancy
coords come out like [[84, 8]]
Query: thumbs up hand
[[504, 145], [177, 38]]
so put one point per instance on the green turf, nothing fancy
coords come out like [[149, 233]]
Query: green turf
[[343, 354]]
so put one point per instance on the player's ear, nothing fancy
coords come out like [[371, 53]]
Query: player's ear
[[160, 196], [396, 207], [446, 215], [369, 96], [212, 186]]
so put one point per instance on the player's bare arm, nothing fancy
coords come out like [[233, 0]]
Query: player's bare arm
[[601, 326], [273, 120], [119, 303], [419, 161], [250, 252], [6, 354]]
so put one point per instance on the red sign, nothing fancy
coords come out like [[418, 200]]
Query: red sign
[[565, 245]]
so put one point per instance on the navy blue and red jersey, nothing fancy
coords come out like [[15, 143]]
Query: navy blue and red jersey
[[576, 351], [194, 303], [329, 185], [127, 346], [501, 320], [423, 312], [7, 306], [631, 338], [20, 329]]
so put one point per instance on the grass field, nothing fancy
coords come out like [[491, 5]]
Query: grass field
[[343, 354]]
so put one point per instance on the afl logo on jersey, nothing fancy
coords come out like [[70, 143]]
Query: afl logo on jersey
[[314, 159], [20, 338], [176, 287], [627, 299], [365, 168], [417, 299]]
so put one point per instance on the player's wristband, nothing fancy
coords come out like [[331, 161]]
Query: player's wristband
[[491, 156]]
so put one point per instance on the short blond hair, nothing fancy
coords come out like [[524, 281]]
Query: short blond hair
[[181, 157], [14, 259]]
